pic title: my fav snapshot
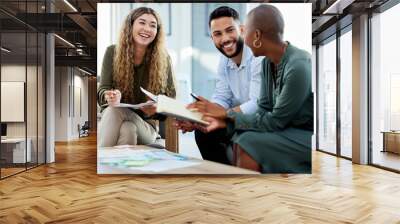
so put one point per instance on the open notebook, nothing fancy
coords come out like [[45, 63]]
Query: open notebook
[[167, 106], [174, 108]]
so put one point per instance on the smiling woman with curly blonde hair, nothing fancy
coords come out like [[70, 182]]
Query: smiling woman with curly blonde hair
[[140, 59]]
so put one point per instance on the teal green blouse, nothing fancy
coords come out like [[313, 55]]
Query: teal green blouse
[[286, 98]]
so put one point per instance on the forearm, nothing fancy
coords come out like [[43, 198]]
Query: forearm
[[262, 122], [237, 109]]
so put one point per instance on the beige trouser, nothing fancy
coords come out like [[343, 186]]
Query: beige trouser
[[122, 126]]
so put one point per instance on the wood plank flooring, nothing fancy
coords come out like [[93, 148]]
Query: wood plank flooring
[[70, 191]]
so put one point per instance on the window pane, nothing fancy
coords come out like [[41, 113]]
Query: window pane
[[327, 97], [386, 88], [345, 94]]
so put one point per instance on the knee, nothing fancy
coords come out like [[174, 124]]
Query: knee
[[111, 112], [243, 160], [128, 128], [127, 134]]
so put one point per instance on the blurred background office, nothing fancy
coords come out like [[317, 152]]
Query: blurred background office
[[194, 55]]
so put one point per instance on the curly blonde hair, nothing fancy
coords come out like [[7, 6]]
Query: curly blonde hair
[[156, 58]]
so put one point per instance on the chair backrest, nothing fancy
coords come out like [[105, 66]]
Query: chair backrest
[[86, 125]]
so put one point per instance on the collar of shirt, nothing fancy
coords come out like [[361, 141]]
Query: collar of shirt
[[246, 56], [285, 56]]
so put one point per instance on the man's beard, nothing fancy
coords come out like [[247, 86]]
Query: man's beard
[[239, 47]]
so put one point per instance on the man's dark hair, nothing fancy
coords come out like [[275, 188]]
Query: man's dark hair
[[223, 11]]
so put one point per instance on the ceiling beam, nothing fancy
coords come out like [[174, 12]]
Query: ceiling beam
[[85, 25], [81, 61], [337, 6]]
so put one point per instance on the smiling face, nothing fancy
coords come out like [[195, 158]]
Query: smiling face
[[144, 30], [225, 34]]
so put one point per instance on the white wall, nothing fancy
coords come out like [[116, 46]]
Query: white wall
[[179, 45], [297, 17], [61, 103], [79, 117], [67, 114], [14, 73]]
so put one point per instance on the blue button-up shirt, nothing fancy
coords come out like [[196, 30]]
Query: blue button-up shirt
[[239, 86]]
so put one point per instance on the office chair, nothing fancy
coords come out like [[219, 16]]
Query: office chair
[[84, 130]]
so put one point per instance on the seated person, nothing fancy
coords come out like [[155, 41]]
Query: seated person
[[277, 138], [126, 68], [238, 82]]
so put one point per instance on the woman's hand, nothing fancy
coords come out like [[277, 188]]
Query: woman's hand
[[208, 108], [149, 110], [113, 97], [213, 124]]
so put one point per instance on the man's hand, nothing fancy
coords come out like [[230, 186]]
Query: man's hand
[[185, 126], [208, 108], [149, 110], [113, 97]]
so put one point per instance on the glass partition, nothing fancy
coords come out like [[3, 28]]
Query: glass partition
[[327, 96], [14, 153], [22, 88]]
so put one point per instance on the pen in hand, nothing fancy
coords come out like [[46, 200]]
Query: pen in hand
[[195, 97]]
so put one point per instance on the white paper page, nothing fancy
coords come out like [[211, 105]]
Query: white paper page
[[133, 106], [136, 106], [149, 94], [175, 108]]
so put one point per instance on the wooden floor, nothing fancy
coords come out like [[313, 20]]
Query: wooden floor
[[10, 171], [70, 191]]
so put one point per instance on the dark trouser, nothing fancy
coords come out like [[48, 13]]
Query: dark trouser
[[213, 146]]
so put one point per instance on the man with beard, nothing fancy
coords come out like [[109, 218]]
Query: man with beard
[[238, 83]]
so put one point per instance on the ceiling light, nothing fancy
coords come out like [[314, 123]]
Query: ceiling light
[[64, 40], [5, 50], [84, 71], [70, 5]]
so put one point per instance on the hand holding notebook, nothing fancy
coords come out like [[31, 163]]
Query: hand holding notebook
[[174, 108]]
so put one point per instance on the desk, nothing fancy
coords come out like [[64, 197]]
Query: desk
[[202, 166], [391, 141], [15, 148]]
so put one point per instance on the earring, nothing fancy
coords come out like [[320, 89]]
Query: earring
[[257, 45]]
